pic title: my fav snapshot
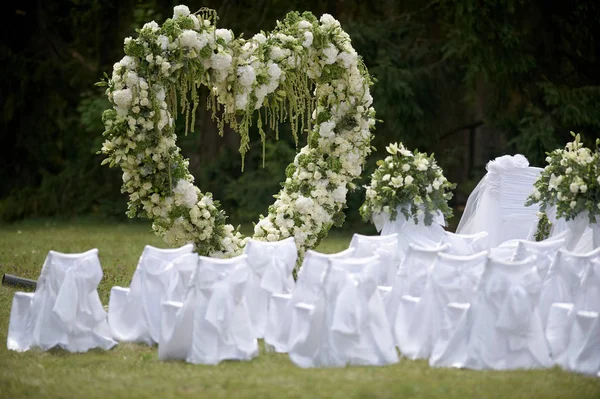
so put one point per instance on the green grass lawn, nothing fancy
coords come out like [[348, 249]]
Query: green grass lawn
[[129, 370]]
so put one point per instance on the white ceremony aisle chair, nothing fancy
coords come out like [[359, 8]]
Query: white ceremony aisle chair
[[279, 332], [545, 251], [213, 323], [497, 204], [271, 266], [387, 249], [453, 279], [409, 286], [183, 268], [134, 312], [562, 288], [583, 351], [466, 244], [65, 310], [347, 325], [502, 329]]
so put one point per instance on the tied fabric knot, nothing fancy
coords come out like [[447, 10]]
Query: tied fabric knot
[[516, 307], [272, 272], [500, 165], [73, 296], [225, 291], [351, 307]]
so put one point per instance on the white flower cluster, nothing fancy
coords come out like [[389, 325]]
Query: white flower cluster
[[411, 183], [570, 181], [242, 74]]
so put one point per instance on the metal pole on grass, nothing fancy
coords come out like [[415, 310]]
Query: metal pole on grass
[[8, 280]]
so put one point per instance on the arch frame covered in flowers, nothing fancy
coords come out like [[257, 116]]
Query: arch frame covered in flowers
[[305, 71]]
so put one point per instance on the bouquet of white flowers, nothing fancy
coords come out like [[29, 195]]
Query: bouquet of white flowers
[[570, 182], [412, 183]]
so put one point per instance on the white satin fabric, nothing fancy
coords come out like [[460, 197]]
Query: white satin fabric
[[583, 351], [410, 233], [309, 285], [453, 278], [572, 288], [387, 249], [564, 279], [502, 329], [271, 265], [408, 288], [545, 251], [347, 325], [65, 310], [467, 244], [134, 312], [212, 324], [497, 204]]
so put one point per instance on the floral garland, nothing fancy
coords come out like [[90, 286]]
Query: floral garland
[[570, 182], [273, 73], [410, 182]]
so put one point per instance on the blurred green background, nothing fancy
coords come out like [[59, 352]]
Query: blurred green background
[[467, 79]]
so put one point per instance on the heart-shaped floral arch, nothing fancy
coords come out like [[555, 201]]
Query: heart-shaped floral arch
[[305, 71]]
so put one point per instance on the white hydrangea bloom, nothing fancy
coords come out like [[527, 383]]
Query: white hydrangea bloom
[[180, 11]]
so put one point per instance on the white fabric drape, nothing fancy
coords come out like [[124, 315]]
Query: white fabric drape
[[544, 250], [497, 204], [212, 324], [502, 330], [466, 244], [386, 247], [271, 265], [279, 336], [134, 312], [65, 310], [453, 278]]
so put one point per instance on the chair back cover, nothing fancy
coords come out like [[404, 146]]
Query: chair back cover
[[497, 204], [136, 318], [386, 247], [506, 330], [466, 244], [271, 265], [544, 250], [65, 309], [453, 278], [213, 323]]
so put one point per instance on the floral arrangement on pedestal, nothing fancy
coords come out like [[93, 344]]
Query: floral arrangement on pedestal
[[410, 183], [570, 182], [305, 72]]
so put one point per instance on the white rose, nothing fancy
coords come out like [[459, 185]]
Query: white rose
[[574, 187], [386, 177], [573, 204], [406, 167], [408, 180], [180, 11]]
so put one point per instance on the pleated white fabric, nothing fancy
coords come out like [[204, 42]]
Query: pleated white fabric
[[347, 325], [134, 312], [309, 286], [386, 247], [502, 330], [563, 315], [453, 278], [213, 323], [563, 280], [497, 204], [466, 244], [183, 268], [544, 250], [65, 310], [271, 266], [409, 286]]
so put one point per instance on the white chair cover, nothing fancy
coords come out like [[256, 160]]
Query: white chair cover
[[212, 324], [453, 278], [348, 324], [497, 205], [562, 329], [387, 249], [271, 265], [184, 266], [544, 250], [505, 331], [466, 244], [65, 310], [564, 280], [280, 332], [134, 312], [408, 288]]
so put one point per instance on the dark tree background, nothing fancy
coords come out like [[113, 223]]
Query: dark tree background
[[466, 79]]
